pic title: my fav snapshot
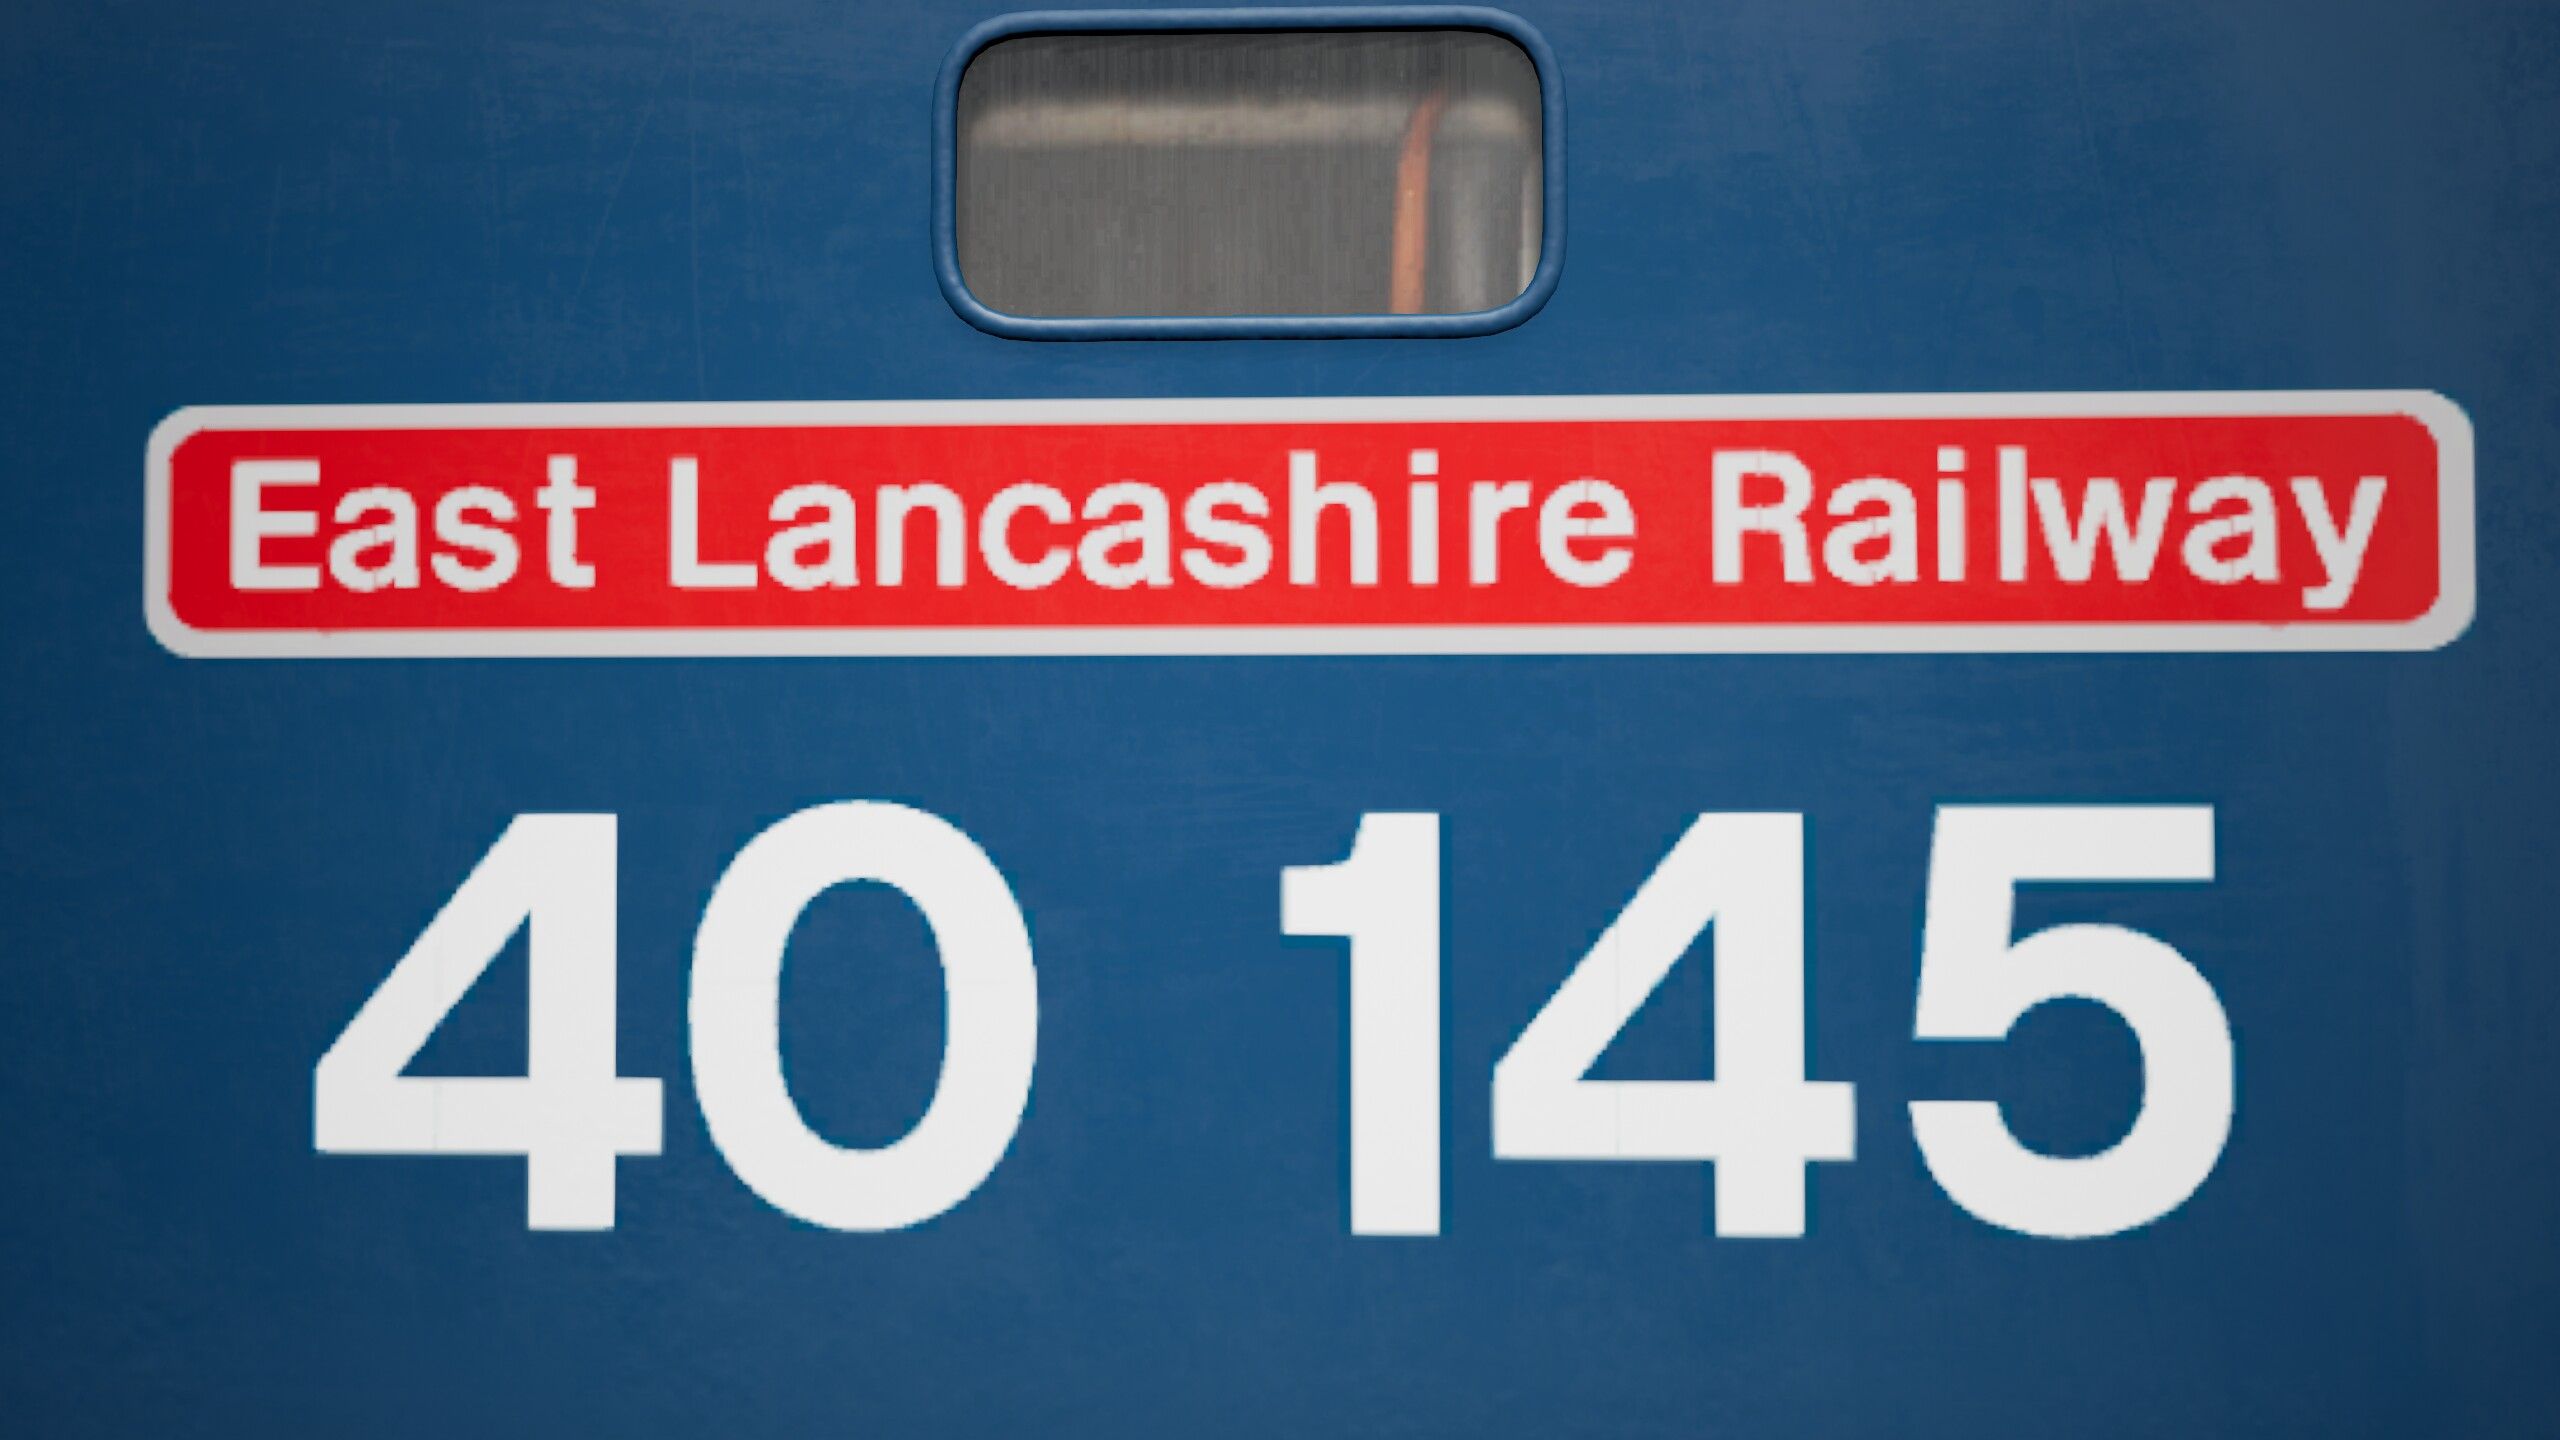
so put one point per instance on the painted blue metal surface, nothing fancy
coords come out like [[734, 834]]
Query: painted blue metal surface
[[205, 868]]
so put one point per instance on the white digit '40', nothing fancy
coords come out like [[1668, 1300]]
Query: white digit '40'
[[569, 1115], [1759, 1119], [1975, 982]]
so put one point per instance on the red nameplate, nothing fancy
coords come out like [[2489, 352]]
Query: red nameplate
[[2288, 521]]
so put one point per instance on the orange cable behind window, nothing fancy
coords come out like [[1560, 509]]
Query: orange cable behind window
[[1412, 247]]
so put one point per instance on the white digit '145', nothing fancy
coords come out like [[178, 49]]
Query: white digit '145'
[[570, 1115], [1760, 1120]]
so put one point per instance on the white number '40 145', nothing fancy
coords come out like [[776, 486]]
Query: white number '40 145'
[[1760, 1121]]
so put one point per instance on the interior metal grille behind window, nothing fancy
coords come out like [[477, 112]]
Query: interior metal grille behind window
[[1354, 173]]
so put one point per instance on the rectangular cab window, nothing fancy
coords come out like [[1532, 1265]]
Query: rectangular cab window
[[1208, 174]]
